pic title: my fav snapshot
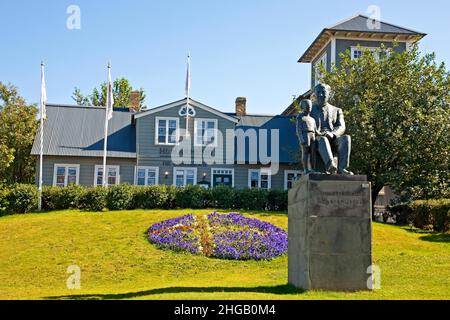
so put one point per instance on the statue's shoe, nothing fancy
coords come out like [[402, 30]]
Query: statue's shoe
[[345, 172], [332, 169]]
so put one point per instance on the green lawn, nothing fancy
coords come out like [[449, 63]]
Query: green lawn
[[117, 262]]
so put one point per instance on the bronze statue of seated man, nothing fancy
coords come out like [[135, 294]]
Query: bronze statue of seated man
[[331, 140]]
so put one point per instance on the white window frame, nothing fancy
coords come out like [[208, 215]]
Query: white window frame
[[66, 178], [97, 167], [177, 131], [260, 172], [375, 50], [286, 173], [322, 60], [147, 169], [175, 169], [216, 128], [222, 169]]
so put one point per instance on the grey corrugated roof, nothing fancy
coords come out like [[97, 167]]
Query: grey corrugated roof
[[254, 120], [359, 23], [79, 131], [287, 133]]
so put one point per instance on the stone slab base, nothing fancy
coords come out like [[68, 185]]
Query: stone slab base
[[330, 233]]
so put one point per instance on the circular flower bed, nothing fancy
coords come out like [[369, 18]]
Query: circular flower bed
[[226, 236]]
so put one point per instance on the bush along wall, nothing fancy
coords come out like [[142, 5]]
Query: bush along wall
[[423, 214], [24, 198]]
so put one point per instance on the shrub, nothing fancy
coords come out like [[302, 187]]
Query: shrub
[[194, 197], [4, 203], [57, 198], [121, 197], [70, 197], [223, 197], [94, 199], [50, 198], [151, 197], [277, 200], [435, 213], [251, 199], [22, 198], [424, 214]]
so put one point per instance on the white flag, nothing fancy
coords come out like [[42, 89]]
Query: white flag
[[188, 77], [43, 94], [109, 96]]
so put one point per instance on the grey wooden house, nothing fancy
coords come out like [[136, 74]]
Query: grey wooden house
[[141, 145]]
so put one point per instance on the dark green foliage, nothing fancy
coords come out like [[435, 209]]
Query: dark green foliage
[[150, 197], [95, 199], [121, 197], [22, 198], [194, 197], [4, 203], [56, 198], [424, 214], [223, 197], [397, 112], [251, 199], [277, 200]]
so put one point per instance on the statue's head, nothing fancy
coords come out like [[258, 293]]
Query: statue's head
[[306, 105], [323, 92]]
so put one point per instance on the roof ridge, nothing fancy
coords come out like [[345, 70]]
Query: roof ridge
[[57, 105], [366, 17], [343, 21]]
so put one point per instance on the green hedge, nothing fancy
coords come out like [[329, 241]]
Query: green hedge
[[24, 198], [423, 214]]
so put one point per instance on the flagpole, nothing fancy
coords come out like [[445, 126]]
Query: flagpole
[[41, 152], [105, 144], [188, 87]]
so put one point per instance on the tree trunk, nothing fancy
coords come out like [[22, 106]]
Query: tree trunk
[[375, 191]]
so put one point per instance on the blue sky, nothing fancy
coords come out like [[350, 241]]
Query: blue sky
[[239, 48]]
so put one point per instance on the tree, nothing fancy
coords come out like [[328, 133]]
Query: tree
[[121, 93], [18, 125], [397, 108]]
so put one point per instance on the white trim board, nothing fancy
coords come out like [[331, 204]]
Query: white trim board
[[216, 129], [184, 169], [66, 166], [177, 131], [146, 168], [107, 167], [228, 169], [191, 103]]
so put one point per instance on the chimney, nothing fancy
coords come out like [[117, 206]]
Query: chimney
[[241, 106], [135, 101]]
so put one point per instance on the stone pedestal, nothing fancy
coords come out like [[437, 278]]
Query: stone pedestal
[[330, 233]]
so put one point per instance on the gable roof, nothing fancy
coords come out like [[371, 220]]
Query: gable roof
[[359, 23], [79, 131], [358, 27], [193, 103]]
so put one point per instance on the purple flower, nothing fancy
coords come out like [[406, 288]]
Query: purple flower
[[232, 236]]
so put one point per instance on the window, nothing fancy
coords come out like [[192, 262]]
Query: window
[[290, 176], [357, 52], [321, 62], [184, 176], [259, 178], [205, 132], [146, 176], [66, 174], [222, 177], [112, 178], [166, 131]]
